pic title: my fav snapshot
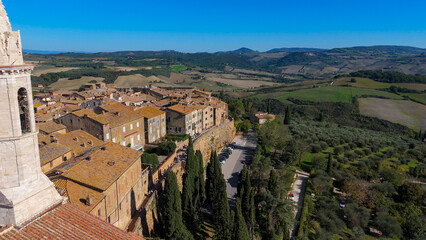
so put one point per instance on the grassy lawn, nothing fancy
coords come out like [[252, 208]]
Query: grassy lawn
[[178, 68], [333, 94]]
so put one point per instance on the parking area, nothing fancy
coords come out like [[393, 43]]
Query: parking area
[[234, 160]]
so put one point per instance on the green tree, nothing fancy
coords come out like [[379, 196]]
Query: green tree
[[245, 192], [201, 191], [410, 192], [287, 118], [151, 159], [291, 152], [240, 231], [171, 211], [190, 195], [273, 184], [217, 196]]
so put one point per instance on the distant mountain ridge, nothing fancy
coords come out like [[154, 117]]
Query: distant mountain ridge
[[290, 50]]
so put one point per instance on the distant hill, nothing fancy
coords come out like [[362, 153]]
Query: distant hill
[[307, 62], [239, 51], [28, 51], [291, 50]]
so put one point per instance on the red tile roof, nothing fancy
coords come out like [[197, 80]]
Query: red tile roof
[[64, 223]]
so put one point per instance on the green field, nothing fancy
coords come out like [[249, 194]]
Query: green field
[[419, 97], [178, 68], [362, 83], [330, 94]]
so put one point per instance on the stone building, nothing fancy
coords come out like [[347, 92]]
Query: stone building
[[108, 183], [185, 119], [24, 190], [110, 123], [30, 206], [51, 127], [155, 124], [261, 118]]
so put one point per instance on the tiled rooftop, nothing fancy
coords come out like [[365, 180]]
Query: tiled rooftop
[[150, 112], [115, 114], [79, 141], [97, 171], [67, 222], [51, 152], [50, 127], [184, 109]]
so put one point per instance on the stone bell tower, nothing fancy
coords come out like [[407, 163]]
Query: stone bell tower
[[25, 191]]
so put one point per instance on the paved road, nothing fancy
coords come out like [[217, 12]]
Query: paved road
[[244, 151], [299, 188]]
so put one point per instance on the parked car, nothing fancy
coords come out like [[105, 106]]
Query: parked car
[[342, 204], [291, 196]]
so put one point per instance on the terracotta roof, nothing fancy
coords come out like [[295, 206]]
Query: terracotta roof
[[67, 222], [98, 172], [116, 114], [185, 110], [79, 141], [77, 192], [51, 152], [50, 127], [150, 112]]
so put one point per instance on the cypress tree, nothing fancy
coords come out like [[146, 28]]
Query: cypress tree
[[201, 182], [240, 231], [287, 118], [273, 184], [171, 211], [217, 196], [189, 192], [245, 193]]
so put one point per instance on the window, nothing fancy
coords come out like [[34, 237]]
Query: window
[[119, 206], [124, 129], [123, 143], [150, 130], [51, 165], [137, 124], [24, 110], [107, 136], [158, 123], [64, 159], [113, 140], [99, 212], [162, 120], [131, 126], [139, 137]]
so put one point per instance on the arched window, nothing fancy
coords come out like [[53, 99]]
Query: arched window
[[24, 110]]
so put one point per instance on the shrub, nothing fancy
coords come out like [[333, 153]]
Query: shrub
[[388, 225], [359, 153], [166, 148], [338, 150], [316, 148], [151, 159], [323, 145], [319, 162], [367, 151]]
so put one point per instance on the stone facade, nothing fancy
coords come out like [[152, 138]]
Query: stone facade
[[215, 138], [24, 190]]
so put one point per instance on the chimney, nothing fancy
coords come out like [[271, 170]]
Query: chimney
[[52, 139], [88, 158], [89, 200], [103, 148], [112, 163]]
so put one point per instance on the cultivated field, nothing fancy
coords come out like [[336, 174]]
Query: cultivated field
[[43, 70], [403, 112], [329, 94], [75, 84], [136, 80], [419, 97], [368, 83]]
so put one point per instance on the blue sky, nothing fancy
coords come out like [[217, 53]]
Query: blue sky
[[215, 25]]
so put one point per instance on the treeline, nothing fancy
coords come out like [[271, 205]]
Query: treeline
[[340, 113], [389, 76]]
